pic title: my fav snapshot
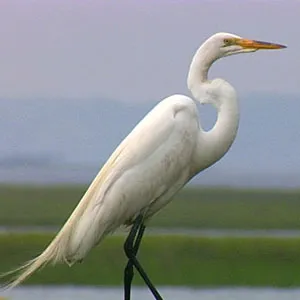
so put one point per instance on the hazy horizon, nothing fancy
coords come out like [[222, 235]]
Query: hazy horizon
[[85, 133]]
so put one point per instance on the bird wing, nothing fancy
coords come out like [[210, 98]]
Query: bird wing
[[149, 161], [146, 169]]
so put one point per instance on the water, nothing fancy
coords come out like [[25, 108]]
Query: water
[[216, 233], [168, 293]]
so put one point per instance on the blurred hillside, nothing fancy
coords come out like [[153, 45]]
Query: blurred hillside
[[64, 140]]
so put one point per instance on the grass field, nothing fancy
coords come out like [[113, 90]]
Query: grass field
[[169, 260], [192, 208]]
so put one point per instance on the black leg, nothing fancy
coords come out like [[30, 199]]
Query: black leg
[[131, 247], [134, 237]]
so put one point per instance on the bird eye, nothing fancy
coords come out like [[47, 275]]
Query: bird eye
[[227, 42]]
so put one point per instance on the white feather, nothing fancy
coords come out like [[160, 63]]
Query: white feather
[[155, 160], [138, 175]]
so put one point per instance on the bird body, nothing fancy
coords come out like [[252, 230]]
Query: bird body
[[147, 168], [161, 154]]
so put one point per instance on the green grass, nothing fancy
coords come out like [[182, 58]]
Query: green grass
[[192, 208], [169, 260]]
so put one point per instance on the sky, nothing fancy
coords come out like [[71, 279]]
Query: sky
[[134, 53], [139, 50]]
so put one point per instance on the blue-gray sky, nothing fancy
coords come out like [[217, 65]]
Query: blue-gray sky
[[138, 52]]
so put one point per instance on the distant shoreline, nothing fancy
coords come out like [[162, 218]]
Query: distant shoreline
[[55, 174], [157, 231]]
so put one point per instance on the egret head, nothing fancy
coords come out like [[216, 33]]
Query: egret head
[[217, 46], [225, 44]]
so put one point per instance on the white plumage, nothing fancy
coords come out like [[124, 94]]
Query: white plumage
[[161, 154]]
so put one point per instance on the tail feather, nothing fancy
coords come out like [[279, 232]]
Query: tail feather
[[27, 269], [64, 248], [22, 272], [56, 252]]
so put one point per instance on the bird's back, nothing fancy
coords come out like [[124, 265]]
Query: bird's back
[[147, 168], [141, 176]]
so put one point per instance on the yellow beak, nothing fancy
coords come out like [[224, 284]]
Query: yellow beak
[[251, 44]]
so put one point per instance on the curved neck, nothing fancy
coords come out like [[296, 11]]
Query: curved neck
[[201, 62], [213, 144]]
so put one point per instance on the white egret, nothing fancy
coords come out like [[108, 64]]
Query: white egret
[[161, 154]]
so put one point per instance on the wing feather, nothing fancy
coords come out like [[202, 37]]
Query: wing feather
[[148, 166]]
